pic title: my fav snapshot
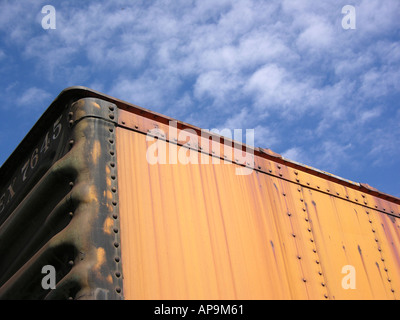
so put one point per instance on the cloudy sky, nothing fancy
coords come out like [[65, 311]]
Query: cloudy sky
[[313, 91]]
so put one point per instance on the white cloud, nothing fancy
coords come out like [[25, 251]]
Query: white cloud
[[296, 154], [275, 87], [32, 97], [271, 66], [318, 36]]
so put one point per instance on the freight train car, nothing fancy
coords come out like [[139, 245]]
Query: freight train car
[[104, 199]]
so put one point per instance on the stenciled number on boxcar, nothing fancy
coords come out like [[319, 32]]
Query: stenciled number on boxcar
[[32, 162]]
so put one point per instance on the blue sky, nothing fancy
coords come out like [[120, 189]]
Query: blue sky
[[313, 91]]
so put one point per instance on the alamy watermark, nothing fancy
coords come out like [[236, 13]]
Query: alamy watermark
[[49, 20], [49, 280], [349, 280], [188, 146], [349, 20]]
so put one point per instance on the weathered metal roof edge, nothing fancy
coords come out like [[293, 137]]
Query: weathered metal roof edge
[[77, 92]]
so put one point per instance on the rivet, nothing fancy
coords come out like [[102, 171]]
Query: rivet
[[298, 257], [112, 152], [293, 235], [71, 142], [297, 180], [326, 296], [259, 167], [284, 194], [320, 273], [315, 251], [111, 130], [376, 240], [382, 259], [301, 200], [289, 214], [386, 270], [296, 173], [327, 190], [278, 166], [373, 230], [112, 164], [111, 116], [115, 230], [114, 203], [136, 126], [116, 259], [111, 141], [116, 244], [114, 189], [113, 177], [115, 216], [71, 262], [71, 213], [111, 108], [71, 184], [71, 122], [117, 274], [304, 280], [118, 289], [323, 284], [123, 122], [389, 280], [316, 261], [309, 230]]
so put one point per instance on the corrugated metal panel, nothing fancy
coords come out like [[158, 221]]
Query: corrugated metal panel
[[58, 206], [200, 231]]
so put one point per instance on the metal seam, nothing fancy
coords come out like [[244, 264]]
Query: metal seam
[[114, 215], [271, 173], [312, 240], [379, 248]]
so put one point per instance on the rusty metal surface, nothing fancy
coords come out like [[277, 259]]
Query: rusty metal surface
[[116, 226], [284, 231], [67, 217]]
